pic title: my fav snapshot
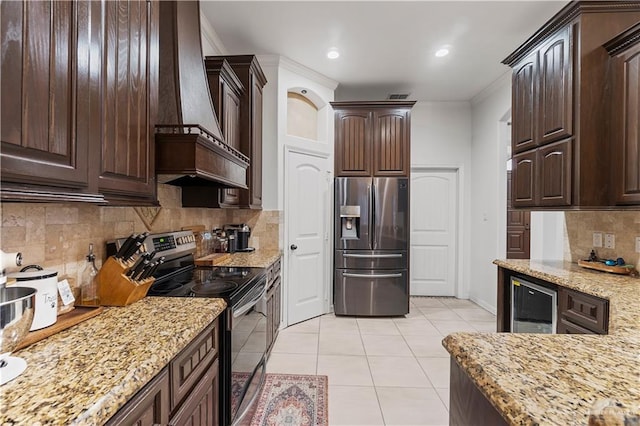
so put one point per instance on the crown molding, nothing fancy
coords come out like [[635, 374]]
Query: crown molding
[[209, 34], [297, 68]]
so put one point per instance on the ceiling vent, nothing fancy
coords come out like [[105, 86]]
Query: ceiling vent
[[398, 96]]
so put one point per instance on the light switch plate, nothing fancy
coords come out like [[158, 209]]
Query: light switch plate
[[609, 241], [597, 239], [637, 244]]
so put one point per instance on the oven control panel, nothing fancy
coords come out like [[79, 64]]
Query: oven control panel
[[171, 242]]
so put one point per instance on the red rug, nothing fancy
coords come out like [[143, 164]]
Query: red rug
[[292, 399]]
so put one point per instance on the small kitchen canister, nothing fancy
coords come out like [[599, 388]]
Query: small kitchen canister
[[46, 282]]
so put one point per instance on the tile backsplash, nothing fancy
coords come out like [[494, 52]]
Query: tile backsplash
[[57, 236], [625, 225]]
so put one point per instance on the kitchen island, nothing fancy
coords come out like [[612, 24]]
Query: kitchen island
[[85, 374], [556, 379]]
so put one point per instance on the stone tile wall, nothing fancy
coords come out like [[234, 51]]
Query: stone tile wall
[[57, 236], [625, 225]]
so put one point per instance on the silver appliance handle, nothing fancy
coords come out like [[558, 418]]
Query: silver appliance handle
[[263, 378], [373, 256], [350, 275], [373, 216], [247, 306]]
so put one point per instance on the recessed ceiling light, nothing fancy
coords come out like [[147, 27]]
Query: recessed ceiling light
[[442, 52], [333, 54]]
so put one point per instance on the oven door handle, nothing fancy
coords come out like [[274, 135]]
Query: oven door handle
[[263, 378], [247, 306]]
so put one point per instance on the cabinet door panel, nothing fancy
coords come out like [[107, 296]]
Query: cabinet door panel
[[555, 116], [148, 407], [353, 143], [523, 104], [391, 143], [523, 179], [201, 407], [231, 131], [129, 82], [45, 45], [554, 174], [626, 128]]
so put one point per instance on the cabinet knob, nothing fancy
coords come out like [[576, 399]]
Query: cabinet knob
[[294, 247]]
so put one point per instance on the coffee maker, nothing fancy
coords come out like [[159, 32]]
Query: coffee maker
[[242, 232]]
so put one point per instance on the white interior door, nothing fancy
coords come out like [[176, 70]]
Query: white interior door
[[434, 219], [308, 214]]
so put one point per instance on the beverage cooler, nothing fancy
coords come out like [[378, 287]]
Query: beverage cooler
[[371, 240]]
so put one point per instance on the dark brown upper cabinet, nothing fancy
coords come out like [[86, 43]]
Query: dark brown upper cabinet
[[249, 140], [561, 102], [227, 92], [372, 138], [625, 69], [48, 102], [129, 100], [78, 84]]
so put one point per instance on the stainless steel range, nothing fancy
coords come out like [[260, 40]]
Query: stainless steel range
[[243, 340]]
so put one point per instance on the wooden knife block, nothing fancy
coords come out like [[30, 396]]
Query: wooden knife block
[[115, 288]]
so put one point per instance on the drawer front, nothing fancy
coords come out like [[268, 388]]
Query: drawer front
[[566, 327], [585, 310], [187, 368]]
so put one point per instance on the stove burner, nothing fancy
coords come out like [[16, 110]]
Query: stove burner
[[165, 287], [213, 288]]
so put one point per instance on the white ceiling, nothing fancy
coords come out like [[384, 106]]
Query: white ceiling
[[386, 46]]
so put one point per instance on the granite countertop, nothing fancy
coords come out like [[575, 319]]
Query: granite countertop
[[255, 259], [556, 379], [85, 374]]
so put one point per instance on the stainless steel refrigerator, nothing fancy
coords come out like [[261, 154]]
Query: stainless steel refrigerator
[[371, 241]]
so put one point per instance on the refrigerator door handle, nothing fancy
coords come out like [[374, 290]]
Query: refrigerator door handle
[[373, 256], [373, 216], [369, 276]]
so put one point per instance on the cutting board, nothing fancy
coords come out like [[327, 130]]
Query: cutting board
[[79, 314], [213, 259], [599, 266]]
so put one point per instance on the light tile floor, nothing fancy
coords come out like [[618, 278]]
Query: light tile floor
[[382, 371]]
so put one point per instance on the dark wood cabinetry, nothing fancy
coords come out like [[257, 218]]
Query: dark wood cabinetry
[[78, 95], [129, 99], [47, 101], [625, 69], [578, 311], [561, 101], [518, 229], [185, 392], [273, 304], [252, 79], [372, 138], [226, 92], [148, 407]]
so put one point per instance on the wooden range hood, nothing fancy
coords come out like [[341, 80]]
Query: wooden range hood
[[190, 148]]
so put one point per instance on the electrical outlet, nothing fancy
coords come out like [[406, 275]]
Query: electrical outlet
[[637, 244], [597, 239], [609, 241]]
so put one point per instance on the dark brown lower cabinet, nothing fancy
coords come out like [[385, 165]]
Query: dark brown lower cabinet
[[467, 404], [273, 304], [186, 392], [150, 406], [201, 405], [579, 312]]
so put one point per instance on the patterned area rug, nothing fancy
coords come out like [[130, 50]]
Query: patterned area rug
[[292, 400]]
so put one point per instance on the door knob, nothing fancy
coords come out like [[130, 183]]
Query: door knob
[[294, 247]]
